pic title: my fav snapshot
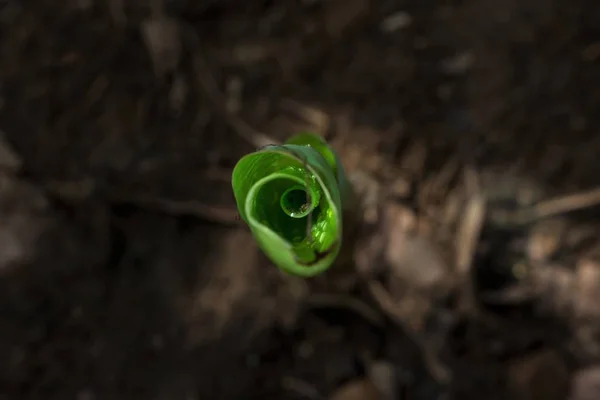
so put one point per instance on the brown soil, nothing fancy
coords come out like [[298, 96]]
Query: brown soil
[[134, 277]]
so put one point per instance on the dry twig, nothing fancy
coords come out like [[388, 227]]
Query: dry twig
[[467, 238], [74, 192], [471, 224], [215, 213], [568, 203], [555, 206]]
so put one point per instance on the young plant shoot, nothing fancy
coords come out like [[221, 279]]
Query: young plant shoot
[[291, 197]]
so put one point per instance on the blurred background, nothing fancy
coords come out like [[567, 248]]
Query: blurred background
[[468, 127]]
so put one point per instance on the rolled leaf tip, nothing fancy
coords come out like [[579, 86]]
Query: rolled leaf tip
[[289, 195]]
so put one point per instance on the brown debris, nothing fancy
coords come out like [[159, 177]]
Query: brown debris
[[554, 286], [340, 15], [414, 158], [209, 86], [162, 37], [248, 53], [591, 52], [316, 120], [368, 191], [413, 259], [9, 159], [316, 300], [295, 117], [22, 220], [361, 389], [545, 239], [77, 191], [396, 21], [586, 384], [568, 203], [300, 387], [540, 376], [59, 101], [230, 286], [409, 312], [470, 227], [178, 94], [467, 240], [458, 64], [223, 214], [383, 375], [587, 292], [414, 276]]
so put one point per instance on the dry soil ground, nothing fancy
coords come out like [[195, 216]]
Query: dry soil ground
[[125, 272]]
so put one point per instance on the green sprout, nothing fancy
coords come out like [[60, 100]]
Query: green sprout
[[291, 197]]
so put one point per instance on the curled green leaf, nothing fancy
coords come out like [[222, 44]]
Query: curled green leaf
[[291, 198]]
